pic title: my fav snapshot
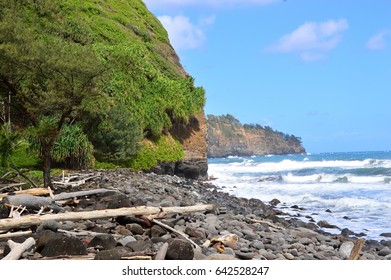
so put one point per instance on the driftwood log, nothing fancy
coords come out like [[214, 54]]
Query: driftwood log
[[63, 196], [15, 234], [31, 200], [33, 220], [356, 251], [36, 191], [17, 249]]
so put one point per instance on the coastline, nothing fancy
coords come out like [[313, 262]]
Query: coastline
[[237, 228]]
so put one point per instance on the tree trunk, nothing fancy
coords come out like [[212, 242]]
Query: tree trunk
[[47, 163]]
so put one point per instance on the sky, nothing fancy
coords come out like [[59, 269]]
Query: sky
[[317, 69]]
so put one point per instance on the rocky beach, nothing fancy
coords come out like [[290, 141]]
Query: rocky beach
[[234, 228]]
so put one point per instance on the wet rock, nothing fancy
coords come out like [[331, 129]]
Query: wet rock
[[274, 202], [386, 234], [325, 224], [346, 232], [106, 242], [62, 245], [179, 249]]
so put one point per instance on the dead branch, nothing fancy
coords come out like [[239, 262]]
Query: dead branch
[[15, 234], [17, 249], [63, 196], [32, 220], [12, 186], [264, 222], [174, 231], [35, 191]]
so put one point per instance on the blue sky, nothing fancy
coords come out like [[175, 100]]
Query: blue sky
[[318, 69]]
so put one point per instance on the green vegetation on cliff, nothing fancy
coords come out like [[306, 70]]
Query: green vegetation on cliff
[[104, 66], [228, 137]]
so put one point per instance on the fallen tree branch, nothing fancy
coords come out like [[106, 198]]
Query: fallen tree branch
[[63, 196], [35, 191], [264, 222], [12, 186], [174, 231], [17, 249], [29, 201], [15, 234], [32, 220]]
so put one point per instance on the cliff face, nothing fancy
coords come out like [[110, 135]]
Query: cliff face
[[228, 137], [193, 137]]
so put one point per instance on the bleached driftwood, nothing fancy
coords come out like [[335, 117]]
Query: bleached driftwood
[[17, 249], [84, 178], [32, 202], [264, 222], [174, 231], [356, 251], [161, 254], [63, 196], [34, 191], [36, 202], [32, 220], [12, 186], [15, 234]]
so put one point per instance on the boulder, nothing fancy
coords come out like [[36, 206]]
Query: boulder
[[179, 249], [62, 245]]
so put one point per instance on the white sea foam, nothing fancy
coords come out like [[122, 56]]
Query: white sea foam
[[359, 188]]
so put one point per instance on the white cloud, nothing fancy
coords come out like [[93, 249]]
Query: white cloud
[[378, 41], [183, 33], [215, 3], [312, 40]]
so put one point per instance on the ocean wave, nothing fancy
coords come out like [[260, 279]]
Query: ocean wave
[[251, 165], [334, 178]]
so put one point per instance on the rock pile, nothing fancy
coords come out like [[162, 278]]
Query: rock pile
[[236, 228]]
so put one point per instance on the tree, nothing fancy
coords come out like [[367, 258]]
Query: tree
[[50, 78], [115, 136]]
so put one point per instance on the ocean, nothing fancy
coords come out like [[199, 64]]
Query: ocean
[[350, 190]]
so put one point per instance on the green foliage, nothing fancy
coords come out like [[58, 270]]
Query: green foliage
[[73, 148], [11, 143], [105, 165], [164, 149], [116, 137]]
